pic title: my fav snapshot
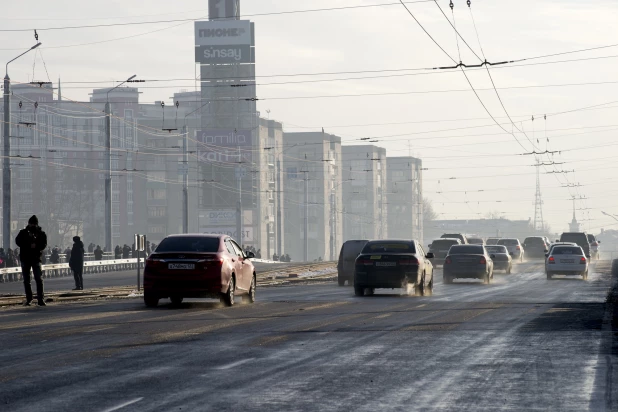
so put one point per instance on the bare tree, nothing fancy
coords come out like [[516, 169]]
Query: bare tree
[[429, 214]]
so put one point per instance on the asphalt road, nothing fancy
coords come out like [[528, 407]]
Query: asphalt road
[[106, 280], [520, 344]]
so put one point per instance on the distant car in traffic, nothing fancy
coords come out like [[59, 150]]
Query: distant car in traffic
[[492, 240], [476, 241], [392, 264], [514, 247], [440, 248], [594, 246], [347, 257], [199, 266], [462, 237], [581, 238], [468, 262], [567, 260], [535, 247], [501, 257]]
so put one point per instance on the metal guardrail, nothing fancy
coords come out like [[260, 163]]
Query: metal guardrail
[[62, 269]]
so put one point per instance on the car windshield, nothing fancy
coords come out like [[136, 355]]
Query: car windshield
[[443, 244], [189, 244], [466, 250], [567, 250], [389, 247], [496, 249], [508, 242], [574, 237], [591, 238]]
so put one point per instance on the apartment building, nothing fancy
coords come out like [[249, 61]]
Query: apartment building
[[405, 198]]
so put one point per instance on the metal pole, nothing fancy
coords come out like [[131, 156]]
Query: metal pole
[[279, 225], [138, 263], [306, 221], [6, 167], [185, 184], [239, 202], [108, 177]]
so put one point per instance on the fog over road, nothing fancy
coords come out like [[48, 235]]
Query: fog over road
[[521, 343]]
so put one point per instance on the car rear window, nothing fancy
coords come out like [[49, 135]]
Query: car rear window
[[496, 249], [444, 243], [351, 250], [534, 241], [567, 250], [389, 247], [492, 241], [578, 238], [466, 250], [475, 240], [508, 242], [189, 244], [591, 238]]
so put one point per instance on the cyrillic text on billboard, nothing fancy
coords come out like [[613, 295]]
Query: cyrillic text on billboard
[[223, 33]]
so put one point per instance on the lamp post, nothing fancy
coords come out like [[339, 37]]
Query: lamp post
[[108, 163], [6, 169]]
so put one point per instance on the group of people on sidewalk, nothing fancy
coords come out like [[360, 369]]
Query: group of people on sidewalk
[[32, 242]]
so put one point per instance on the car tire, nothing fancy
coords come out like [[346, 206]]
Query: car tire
[[176, 300], [250, 297], [585, 275], [340, 281], [151, 300], [549, 276], [447, 280], [370, 291], [508, 270], [359, 290], [487, 279], [228, 298], [430, 286], [419, 288]]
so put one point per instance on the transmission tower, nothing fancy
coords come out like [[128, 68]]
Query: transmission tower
[[538, 203]]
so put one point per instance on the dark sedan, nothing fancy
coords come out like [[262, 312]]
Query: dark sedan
[[468, 262], [501, 257], [390, 264], [198, 266]]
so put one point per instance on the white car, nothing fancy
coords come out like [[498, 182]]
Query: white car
[[516, 250], [567, 260]]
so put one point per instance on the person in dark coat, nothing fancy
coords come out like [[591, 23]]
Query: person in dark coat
[[126, 252], [76, 263], [98, 253], [117, 252], [32, 241], [91, 247], [67, 255]]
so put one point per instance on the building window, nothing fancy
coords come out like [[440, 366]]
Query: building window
[[157, 211], [156, 194]]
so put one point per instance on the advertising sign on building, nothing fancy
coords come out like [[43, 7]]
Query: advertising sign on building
[[223, 33], [247, 233], [220, 218], [224, 54], [225, 146]]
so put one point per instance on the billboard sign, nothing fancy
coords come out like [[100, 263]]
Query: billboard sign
[[225, 146], [224, 54], [223, 33], [247, 232], [219, 217]]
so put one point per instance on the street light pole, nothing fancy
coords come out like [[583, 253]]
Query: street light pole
[[185, 183], [6, 163], [108, 165]]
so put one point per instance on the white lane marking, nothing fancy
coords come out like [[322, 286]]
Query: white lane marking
[[122, 405], [420, 306], [233, 365]]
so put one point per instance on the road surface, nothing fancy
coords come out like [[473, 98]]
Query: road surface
[[520, 344]]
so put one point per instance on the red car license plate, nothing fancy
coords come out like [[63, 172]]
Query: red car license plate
[[181, 266]]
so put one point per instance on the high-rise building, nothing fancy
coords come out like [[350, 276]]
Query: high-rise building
[[364, 187], [405, 198], [312, 169]]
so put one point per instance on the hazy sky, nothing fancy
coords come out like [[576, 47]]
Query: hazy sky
[[426, 107]]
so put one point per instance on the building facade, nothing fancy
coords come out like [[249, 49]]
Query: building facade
[[405, 198], [364, 185]]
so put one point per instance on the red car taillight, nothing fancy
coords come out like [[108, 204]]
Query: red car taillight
[[210, 263], [364, 262], [483, 261], [582, 260], [408, 262], [551, 260], [448, 260], [518, 248], [151, 263]]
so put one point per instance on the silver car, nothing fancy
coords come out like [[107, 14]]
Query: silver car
[[516, 250], [567, 260], [501, 257]]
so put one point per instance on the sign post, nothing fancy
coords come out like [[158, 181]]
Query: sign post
[[140, 243]]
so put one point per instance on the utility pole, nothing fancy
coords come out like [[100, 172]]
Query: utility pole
[[185, 183], [6, 161], [239, 202], [279, 225], [306, 221], [108, 167], [539, 225]]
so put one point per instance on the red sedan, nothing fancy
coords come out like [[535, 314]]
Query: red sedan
[[199, 266]]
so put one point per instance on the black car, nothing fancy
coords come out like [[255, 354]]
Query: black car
[[391, 264], [468, 262], [535, 247]]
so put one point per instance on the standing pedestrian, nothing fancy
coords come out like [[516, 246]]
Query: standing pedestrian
[[32, 241], [67, 255], [54, 259], [126, 252], [77, 263], [98, 253], [117, 252]]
